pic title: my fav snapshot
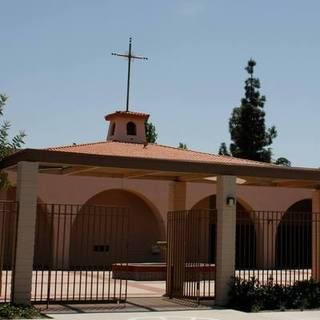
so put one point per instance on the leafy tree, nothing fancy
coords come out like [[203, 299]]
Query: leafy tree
[[7, 145], [283, 162], [182, 146], [223, 150], [250, 139], [151, 133]]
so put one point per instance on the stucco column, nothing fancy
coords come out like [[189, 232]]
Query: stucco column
[[316, 235], [226, 237], [176, 241], [27, 198], [178, 196]]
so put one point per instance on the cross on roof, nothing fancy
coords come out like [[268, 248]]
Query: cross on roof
[[129, 56]]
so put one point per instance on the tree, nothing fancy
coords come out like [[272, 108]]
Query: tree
[[283, 162], [250, 139], [223, 150], [151, 133], [182, 146], [7, 145]]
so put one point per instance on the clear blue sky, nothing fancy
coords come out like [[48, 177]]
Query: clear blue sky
[[56, 67]]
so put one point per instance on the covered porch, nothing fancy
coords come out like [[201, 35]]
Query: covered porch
[[226, 175]]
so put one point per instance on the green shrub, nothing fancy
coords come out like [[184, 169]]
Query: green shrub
[[250, 295], [9, 311]]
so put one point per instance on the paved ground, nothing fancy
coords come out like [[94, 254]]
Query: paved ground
[[193, 315], [151, 304], [161, 308], [66, 285]]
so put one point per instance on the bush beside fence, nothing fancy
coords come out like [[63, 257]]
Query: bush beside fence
[[251, 295]]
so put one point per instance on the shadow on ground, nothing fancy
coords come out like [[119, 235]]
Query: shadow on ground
[[132, 305]]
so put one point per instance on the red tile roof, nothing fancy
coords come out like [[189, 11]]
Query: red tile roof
[[127, 114], [154, 151]]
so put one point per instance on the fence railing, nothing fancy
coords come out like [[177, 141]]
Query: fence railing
[[75, 247], [191, 254], [8, 232], [281, 247], [272, 246]]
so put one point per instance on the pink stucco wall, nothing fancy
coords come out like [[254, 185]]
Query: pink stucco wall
[[78, 190]]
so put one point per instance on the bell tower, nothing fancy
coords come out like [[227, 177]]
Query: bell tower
[[127, 126]]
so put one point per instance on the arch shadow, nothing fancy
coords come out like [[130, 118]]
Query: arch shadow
[[294, 237], [245, 233], [144, 229]]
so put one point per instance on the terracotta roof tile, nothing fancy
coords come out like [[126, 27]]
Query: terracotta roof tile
[[127, 113], [153, 151]]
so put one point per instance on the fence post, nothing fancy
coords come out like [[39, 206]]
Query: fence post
[[27, 198], [176, 242], [226, 236], [316, 235]]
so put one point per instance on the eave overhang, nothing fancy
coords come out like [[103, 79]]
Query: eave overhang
[[162, 169]]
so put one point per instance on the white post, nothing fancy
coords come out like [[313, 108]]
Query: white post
[[316, 235], [226, 236], [27, 198]]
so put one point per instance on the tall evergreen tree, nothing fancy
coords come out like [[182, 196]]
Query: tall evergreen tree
[[182, 145], [151, 132], [250, 139]]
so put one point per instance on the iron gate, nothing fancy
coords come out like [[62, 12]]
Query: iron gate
[[191, 254], [75, 248], [279, 247], [8, 232]]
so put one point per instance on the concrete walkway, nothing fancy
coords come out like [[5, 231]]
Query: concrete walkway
[[193, 315], [161, 308]]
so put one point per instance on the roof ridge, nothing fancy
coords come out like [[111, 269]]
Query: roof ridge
[[91, 143], [75, 145], [211, 154]]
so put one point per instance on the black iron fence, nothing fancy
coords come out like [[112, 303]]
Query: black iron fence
[[191, 253], [281, 247], [8, 232], [75, 247], [272, 246]]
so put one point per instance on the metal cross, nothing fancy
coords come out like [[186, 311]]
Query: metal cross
[[129, 56]]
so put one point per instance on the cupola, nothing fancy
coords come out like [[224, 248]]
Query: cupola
[[127, 126]]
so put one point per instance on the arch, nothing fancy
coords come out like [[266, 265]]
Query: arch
[[131, 129], [294, 236], [144, 230], [245, 233], [303, 205], [153, 208]]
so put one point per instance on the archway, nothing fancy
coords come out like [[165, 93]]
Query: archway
[[144, 230], [294, 236], [245, 234]]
